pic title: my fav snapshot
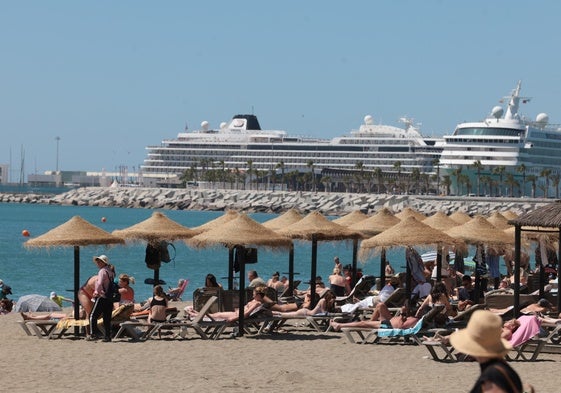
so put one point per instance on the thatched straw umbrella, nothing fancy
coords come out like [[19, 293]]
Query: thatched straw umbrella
[[227, 216], [460, 217], [509, 214], [407, 233], [240, 233], [548, 216], [408, 212], [75, 232], [480, 232], [288, 218], [154, 230], [443, 223], [315, 227], [378, 223], [498, 220], [351, 218]]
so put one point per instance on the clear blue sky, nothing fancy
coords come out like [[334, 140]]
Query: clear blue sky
[[111, 77]]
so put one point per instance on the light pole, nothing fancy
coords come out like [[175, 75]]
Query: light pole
[[57, 140]]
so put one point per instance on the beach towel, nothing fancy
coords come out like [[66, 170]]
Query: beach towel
[[401, 332], [529, 327]]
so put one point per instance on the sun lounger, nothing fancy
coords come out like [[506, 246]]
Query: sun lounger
[[368, 335], [360, 290], [526, 343]]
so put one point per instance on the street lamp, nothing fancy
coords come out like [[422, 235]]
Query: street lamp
[[57, 140]]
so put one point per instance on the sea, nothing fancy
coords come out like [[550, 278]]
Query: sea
[[42, 270]]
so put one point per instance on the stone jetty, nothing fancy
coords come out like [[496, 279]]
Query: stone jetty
[[336, 204]]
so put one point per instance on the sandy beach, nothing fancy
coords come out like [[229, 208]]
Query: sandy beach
[[301, 361]]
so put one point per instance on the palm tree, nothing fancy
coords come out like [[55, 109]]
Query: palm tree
[[457, 172], [545, 174], [310, 164], [522, 169], [416, 176], [280, 165], [436, 163], [326, 181], [555, 181], [446, 183], [532, 179], [478, 167], [359, 165], [511, 182], [250, 171], [486, 181], [397, 166], [378, 174], [500, 170]]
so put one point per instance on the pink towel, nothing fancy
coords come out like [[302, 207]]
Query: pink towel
[[529, 327]]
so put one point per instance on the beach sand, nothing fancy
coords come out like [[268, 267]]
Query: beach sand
[[302, 361]]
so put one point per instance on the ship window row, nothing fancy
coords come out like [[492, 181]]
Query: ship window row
[[483, 141], [489, 131], [543, 135]]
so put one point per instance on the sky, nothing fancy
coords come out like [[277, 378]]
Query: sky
[[111, 77]]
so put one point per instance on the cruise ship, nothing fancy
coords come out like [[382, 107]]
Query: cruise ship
[[236, 145], [510, 154]]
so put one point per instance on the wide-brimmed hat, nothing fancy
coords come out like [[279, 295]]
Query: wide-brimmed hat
[[482, 336], [102, 258], [53, 295]]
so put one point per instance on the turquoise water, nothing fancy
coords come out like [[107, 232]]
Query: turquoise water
[[44, 270]]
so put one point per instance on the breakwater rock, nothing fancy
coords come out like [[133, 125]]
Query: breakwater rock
[[273, 201]]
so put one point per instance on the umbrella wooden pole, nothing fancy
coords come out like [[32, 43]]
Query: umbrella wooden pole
[[517, 243], [291, 270], [355, 251], [76, 287], [241, 260], [313, 272], [383, 262], [438, 263], [558, 268], [230, 268]]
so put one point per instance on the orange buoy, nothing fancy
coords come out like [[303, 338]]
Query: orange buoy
[[25, 233], [103, 219]]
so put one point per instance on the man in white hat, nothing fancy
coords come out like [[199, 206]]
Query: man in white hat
[[482, 340], [103, 305]]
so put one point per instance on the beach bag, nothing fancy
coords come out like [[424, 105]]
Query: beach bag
[[157, 253], [113, 292]]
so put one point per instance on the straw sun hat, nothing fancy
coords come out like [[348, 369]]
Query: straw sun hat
[[482, 336], [102, 258]]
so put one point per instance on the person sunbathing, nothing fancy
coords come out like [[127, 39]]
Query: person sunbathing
[[324, 305], [27, 316], [85, 295], [231, 316], [381, 318]]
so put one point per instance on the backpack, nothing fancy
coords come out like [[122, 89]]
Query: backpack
[[113, 292]]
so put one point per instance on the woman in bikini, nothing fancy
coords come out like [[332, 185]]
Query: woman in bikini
[[230, 316], [158, 305], [125, 290], [382, 317], [325, 304], [85, 295]]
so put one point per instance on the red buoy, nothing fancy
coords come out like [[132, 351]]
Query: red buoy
[[25, 233], [103, 219]]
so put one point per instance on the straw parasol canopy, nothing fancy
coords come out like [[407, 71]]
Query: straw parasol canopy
[[480, 231], [315, 227], [408, 212], [509, 214], [154, 229], [240, 231], [376, 224], [288, 218], [76, 232], [409, 232], [440, 221], [460, 217], [498, 220], [351, 218], [227, 216]]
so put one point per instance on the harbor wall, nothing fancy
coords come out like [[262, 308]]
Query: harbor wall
[[336, 204]]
